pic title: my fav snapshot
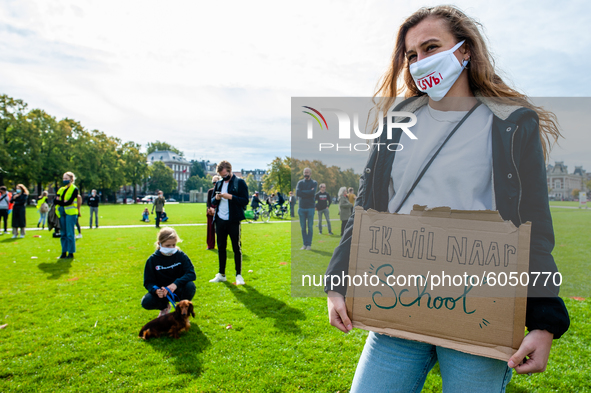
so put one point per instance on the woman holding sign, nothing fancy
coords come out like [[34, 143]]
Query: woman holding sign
[[481, 146]]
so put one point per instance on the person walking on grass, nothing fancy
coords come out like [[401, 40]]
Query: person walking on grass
[[19, 210], [93, 203], [323, 202], [229, 201], [306, 190], [42, 208], [495, 161], [167, 270], [159, 206], [345, 208], [67, 212], [5, 197]]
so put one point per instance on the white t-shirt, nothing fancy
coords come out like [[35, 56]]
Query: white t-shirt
[[460, 176], [224, 209]]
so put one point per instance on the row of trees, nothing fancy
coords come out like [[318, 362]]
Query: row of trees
[[36, 149], [284, 173]]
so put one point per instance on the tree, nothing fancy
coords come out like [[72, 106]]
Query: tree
[[196, 183], [197, 169], [161, 178], [252, 184], [333, 176], [278, 176], [575, 193], [10, 111], [56, 140], [162, 146], [23, 147], [135, 165]]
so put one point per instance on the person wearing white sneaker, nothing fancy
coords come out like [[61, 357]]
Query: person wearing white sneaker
[[229, 201], [239, 279], [219, 277], [167, 270]]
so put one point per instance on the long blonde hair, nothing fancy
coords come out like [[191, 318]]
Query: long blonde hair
[[481, 70]]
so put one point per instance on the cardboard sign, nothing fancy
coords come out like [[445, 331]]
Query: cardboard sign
[[476, 309]]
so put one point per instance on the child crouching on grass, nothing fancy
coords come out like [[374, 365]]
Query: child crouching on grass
[[170, 268]]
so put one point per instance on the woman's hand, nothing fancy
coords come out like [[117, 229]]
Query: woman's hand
[[172, 287], [536, 346], [337, 312]]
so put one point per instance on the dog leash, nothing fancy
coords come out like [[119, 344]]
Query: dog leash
[[170, 296]]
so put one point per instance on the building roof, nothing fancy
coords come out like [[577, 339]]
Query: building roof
[[167, 156]]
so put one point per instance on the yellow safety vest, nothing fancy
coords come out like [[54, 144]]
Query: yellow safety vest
[[71, 210], [41, 201]]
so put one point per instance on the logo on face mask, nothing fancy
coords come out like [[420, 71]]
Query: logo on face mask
[[429, 81]]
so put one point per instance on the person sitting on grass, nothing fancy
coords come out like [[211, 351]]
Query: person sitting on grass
[[163, 216], [168, 270], [146, 215]]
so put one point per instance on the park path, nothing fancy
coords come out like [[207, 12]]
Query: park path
[[177, 225]]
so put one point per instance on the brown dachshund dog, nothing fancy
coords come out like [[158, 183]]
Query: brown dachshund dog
[[172, 324]]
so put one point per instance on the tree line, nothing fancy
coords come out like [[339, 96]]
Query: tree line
[[284, 173], [36, 149]]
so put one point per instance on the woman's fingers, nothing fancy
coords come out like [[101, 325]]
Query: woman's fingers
[[536, 346], [337, 312]]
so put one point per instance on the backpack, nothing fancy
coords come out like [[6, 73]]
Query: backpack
[[44, 208]]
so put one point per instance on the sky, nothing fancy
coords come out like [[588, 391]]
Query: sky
[[215, 79]]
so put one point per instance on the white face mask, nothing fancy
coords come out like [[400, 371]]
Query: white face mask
[[168, 251], [436, 74]]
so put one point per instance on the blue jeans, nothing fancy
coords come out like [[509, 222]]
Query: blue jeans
[[42, 218], [307, 215], [390, 364], [325, 213], [68, 237]]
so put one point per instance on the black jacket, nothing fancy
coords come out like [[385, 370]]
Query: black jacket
[[239, 190], [306, 190], [162, 270], [93, 201], [521, 195]]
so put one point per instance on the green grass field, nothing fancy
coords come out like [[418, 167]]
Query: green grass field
[[73, 325]]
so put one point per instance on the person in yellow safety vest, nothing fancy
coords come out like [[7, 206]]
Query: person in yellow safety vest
[[67, 212], [43, 208]]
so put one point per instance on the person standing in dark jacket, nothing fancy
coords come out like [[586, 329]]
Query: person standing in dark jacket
[[168, 269], [159, 206], [306, 190], [501, 166], [93, 202], [230, 200], [323, 202], [19, 210], [210, 214]]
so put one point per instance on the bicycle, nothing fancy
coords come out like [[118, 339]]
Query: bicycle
[[262, 213], [280, 211]]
